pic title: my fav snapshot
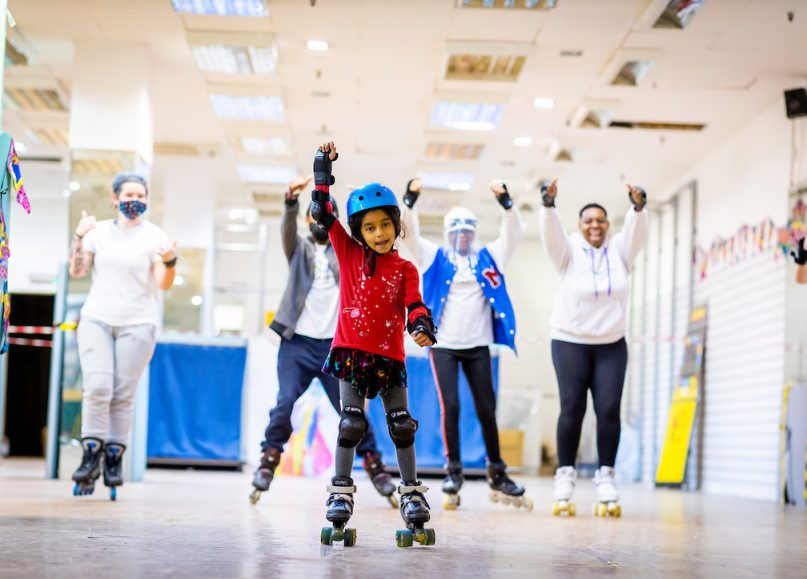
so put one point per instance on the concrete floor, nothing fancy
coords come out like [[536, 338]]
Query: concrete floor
[[201, 524]]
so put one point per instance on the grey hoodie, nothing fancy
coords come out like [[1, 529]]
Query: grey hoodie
[[300, 254]]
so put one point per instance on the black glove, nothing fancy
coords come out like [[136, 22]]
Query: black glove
[[322, 169], [546, 199], [410, 197], [424, 325], [321, 205], [801, 255], [639, 206], [504, 199]]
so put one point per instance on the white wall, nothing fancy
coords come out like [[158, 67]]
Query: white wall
[[742, 182]]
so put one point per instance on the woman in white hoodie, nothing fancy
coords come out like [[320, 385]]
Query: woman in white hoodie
[[588, 333]]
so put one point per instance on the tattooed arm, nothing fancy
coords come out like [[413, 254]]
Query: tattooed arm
[[80, 258]]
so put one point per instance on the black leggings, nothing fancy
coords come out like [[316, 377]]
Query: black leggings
[[579, 367], [478, 370]]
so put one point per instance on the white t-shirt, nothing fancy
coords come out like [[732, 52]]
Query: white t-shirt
[[467, 319], [123, 291], [318, 318]]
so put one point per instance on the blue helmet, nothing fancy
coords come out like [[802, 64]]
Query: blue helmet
[[370, 196]]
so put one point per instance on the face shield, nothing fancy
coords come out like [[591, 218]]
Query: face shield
[[459, 232]]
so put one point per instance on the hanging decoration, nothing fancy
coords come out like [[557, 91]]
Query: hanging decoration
[[750, 241]]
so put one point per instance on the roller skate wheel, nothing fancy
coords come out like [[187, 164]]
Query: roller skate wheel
[[600, 509], [424, 536], [255, 496], [76, 490], [350, 537], [393, 500], [494, 496], [451, 502], [431, 538], [326, 536], [113, 494], [572, 510], [404, 538]]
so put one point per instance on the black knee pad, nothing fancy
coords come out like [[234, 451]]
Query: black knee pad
[[352, 427], [402, 427]]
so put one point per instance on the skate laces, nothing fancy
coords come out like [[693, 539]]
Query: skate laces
[[566, 474], [605, 475]]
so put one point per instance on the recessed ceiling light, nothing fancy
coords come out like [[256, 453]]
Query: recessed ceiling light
[[196, 300], [317, 45], [179, 280], [254, 108], [66, 193], [236, 214], [467, 116], [74, 186], [255, 8], [522, 141], [266, 173], [447, 181], [543, 103]]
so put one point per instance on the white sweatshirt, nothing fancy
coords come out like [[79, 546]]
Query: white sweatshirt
[[592, 298], [467, 320]]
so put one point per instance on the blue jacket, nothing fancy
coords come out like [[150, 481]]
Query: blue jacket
[[437, 283]]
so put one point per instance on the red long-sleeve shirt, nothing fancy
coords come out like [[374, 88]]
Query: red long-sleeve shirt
[[373, 309]]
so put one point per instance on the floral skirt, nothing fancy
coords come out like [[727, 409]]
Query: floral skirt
[[369, 374]]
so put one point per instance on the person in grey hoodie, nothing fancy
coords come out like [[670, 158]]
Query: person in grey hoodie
[[589, 351], [306, 321]]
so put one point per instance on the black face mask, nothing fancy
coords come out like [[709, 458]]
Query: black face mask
[[319, 234]]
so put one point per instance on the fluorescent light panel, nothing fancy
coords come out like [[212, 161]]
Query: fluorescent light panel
[[467, 116], [235, 59], [254, 8], [254, 108], [447, 181], [317, 45], [277, 146], [266, 173], [484, 67], [543, 103]]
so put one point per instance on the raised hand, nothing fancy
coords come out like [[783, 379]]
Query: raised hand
[[326, 155], [549, 190], [499, 189], [637, 196], [298, 184], [85, 224], [801, 254], [168, 251], [412, 192]]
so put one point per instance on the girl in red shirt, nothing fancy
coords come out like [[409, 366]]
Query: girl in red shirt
[[379, 299]]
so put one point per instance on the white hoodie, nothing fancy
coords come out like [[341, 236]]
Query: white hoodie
[[591, 301]]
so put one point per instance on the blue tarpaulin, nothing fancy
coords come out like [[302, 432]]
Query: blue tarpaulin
[[424, 405], [195, 401]]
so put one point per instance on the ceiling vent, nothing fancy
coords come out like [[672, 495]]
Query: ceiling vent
[[95, 167], [633, 73], [594, 114], [54, 137], [485, 61], [454, 151], [35, 99], [679, 13], [630, 66], [14, 55], [174, 149], [272, 198], [656, 126], [511, 4]]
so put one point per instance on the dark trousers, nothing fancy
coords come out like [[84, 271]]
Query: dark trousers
[[299, 361], [477, 368], [580, 367]]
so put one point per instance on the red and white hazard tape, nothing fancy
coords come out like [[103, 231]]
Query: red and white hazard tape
[[30, 330], [30, 342]]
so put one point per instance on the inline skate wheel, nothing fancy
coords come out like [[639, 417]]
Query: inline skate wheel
[[255, 496], [393, 500], [451, 502], [528, 504], [113, 494]]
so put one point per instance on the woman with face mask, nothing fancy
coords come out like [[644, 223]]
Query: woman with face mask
[[589, 351], [130, 258]]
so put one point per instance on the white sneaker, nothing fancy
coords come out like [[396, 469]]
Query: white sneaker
[[565, 478], [605, 479]]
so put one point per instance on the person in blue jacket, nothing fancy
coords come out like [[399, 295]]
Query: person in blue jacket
[[466, 291]]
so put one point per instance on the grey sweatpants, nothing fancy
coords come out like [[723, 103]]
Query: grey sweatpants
[[112, 360], [395, 398]]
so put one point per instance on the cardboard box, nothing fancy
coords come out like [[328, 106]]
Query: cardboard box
[[511, 442]]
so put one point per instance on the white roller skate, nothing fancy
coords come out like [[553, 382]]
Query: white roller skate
[[607, 504], [565, 478]]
